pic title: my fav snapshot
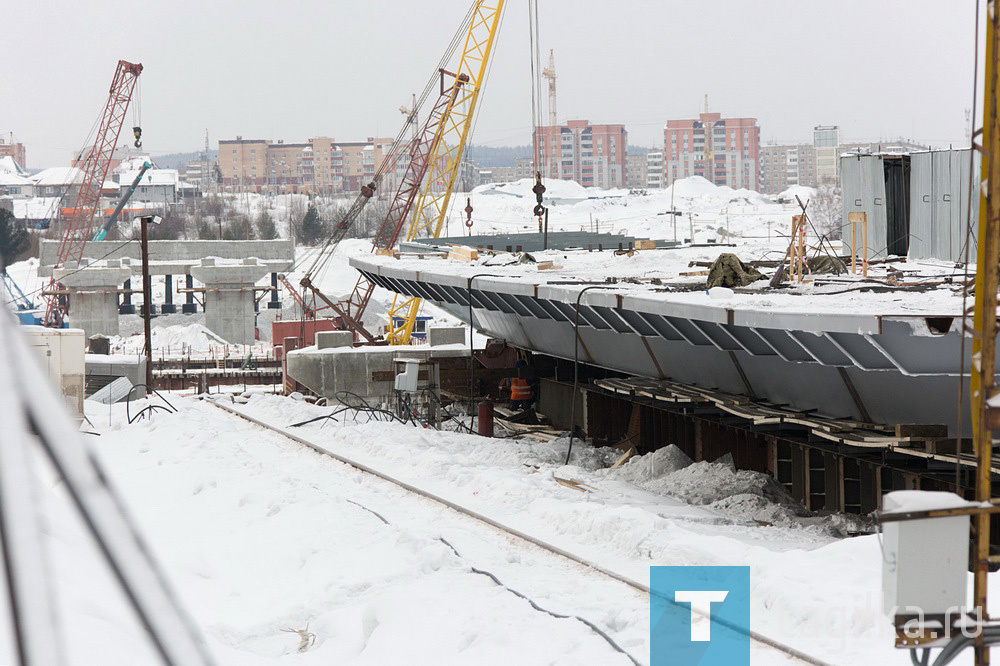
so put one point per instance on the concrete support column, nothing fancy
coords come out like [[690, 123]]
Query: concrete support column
[[93, 304], [189, 306], [127, 307], [274, 303], [229, 297], [168, 306]]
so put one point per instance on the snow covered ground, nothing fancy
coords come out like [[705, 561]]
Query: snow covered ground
[[263, 538]]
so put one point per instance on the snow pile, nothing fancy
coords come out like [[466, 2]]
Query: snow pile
[[801, 191], [718, 485], [644, 469], [190, 337], [554, 189]]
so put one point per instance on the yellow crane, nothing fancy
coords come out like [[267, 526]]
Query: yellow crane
[[446, 152]]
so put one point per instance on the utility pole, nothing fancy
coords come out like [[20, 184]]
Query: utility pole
[[147, 300]]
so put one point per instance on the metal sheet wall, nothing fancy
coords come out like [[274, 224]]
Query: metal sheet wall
[[939, 204], [863, 185]]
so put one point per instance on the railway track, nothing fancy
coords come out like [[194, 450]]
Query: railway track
[[791, 655]]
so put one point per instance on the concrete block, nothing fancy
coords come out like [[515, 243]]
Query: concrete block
[[332, 339], [446, 335]]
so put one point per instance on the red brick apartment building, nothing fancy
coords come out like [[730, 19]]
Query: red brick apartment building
[[725, 151], [592, 155]]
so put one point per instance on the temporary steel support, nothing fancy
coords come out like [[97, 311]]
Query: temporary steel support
[[96, 162], [985, 323]]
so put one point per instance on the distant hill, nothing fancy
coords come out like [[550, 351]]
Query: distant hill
[[496, 156], [178, 160]]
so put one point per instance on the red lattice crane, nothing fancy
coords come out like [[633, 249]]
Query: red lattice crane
[[78, 224], [352, 308]]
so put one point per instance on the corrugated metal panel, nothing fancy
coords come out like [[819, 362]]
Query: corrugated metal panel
[[922, 243], [863, 181], [939, 204]]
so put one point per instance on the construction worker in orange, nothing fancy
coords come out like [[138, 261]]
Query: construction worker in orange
[[521, 393]]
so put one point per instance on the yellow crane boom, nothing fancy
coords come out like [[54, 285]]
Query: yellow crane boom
[[446, 153]]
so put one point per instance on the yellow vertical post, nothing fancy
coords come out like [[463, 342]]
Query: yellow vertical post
[[984, 322]]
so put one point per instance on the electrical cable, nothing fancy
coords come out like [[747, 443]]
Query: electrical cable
[[576, 365], [482, 572]]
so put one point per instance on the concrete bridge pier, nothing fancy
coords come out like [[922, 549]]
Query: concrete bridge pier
[[93, 297], [229, 297]]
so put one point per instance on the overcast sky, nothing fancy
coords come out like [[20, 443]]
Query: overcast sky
[[295, 69]]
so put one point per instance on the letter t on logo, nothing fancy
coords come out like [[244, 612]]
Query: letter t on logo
[[701, 604]]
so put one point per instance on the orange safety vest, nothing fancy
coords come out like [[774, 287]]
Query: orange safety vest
[[519, 389]]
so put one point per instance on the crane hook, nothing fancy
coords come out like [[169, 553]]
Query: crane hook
[[137, 133], [468, 213]]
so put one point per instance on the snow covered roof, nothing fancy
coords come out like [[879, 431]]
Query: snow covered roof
[[58, 176], [36, 208], [10, 166], [12, 179], [133, 163], [151, 177]]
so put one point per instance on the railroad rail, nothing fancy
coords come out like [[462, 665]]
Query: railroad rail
[[511, 532]]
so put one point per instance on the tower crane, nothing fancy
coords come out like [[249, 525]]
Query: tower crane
[[96, 162], [550, 73], [435, 155]]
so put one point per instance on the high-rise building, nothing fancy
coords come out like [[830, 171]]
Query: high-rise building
[[826, 142], [592, 155], [655, 174], [724, 151]]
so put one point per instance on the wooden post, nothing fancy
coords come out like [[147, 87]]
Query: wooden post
[[856, 218]]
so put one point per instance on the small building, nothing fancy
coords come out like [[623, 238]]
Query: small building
[[917, 204], [159, 186], [419, 326], [59, 182]]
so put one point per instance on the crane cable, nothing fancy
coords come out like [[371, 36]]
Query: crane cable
[[322, 258]]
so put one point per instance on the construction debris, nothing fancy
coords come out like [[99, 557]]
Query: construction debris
[[729, 271]]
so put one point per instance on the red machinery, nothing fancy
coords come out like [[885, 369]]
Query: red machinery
[[420, 149], [77, 229]]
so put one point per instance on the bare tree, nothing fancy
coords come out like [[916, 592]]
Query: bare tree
[[826, 210]]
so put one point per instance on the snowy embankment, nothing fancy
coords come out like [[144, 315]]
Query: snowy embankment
[[263, 538]]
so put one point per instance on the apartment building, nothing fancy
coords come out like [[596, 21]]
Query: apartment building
[[243, 164], [725, 151], [826, 144], [782, 166], [524, 167], [321, 165], [655, 173], [592, 155], [817, 164], [637, 171]]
